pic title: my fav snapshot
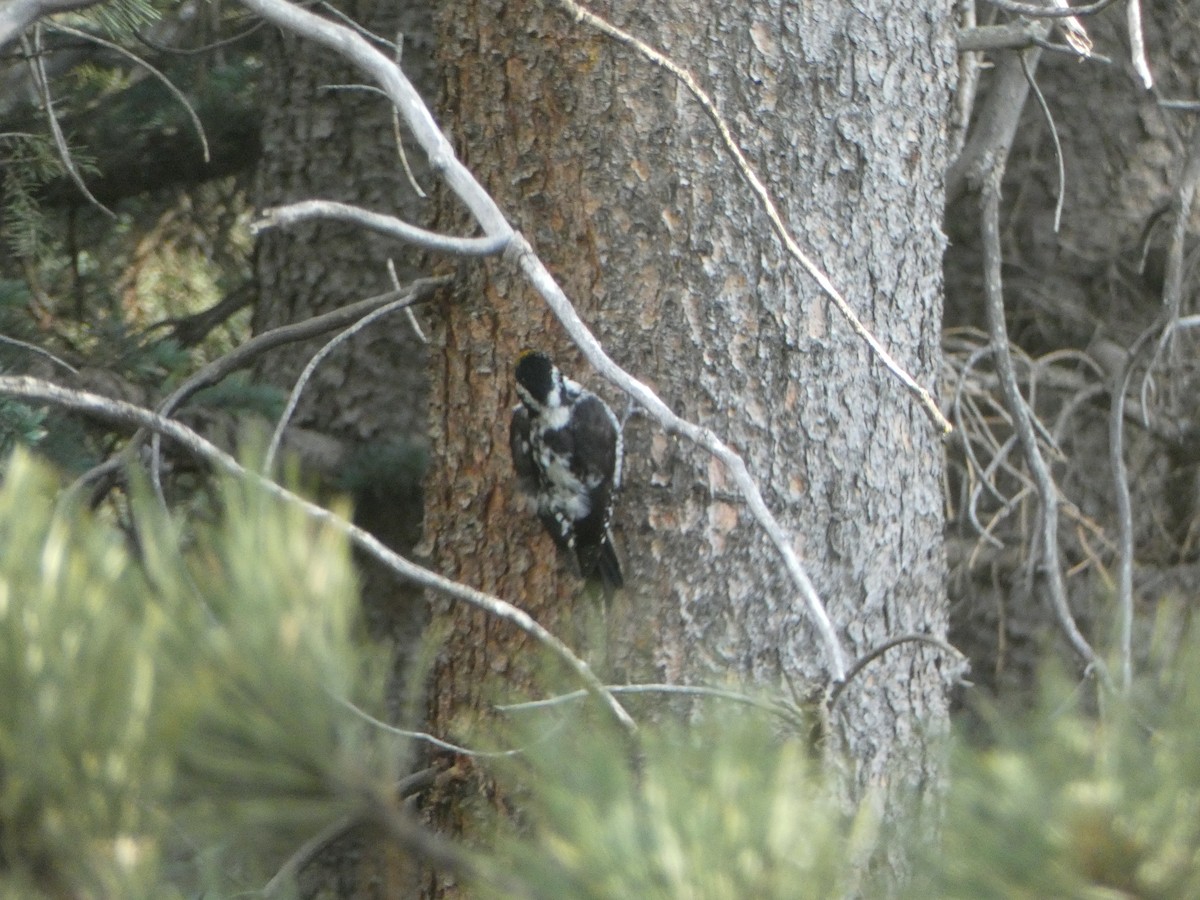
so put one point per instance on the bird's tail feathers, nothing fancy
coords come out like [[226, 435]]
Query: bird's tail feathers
[[605, 568]]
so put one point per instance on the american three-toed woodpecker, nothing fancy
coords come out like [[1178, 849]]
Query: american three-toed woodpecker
[[566, 449]]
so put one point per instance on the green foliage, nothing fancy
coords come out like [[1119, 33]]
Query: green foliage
[[29, 161], [156, 705], [20, 424], [277, 748], [719, 809], [175, 719], [239, 393], [87, 672], [1068, 804], [121, 19]]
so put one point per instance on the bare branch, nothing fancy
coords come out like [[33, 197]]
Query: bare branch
[[781, 709], [302, 381], [1022, 424], [867, 658], [128, 413], [968, 79], [17, 15], [34, 348], [388, 225], [1036, 11], [1076, 35], [163, 79], [460, 180], [244, 354], [1116, 454], [768, 204], [992, 136], [426, 737], [1137, 43], [41, 81], [412, 318], [1009, 36]]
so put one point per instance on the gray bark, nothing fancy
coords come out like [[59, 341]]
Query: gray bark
[[371, 394], [619, 180], [327, 144]]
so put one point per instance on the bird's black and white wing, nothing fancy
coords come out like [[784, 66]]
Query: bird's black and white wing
[[521, 446]]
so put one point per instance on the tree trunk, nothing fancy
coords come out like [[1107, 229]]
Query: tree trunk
[[620, 182], [370, 395]]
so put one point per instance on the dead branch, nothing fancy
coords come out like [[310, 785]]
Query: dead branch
[[1022, 422], [130, 414], [37, 68], [245, 354], [996, 127], [308, 210], [1051, 12], [336, 341]]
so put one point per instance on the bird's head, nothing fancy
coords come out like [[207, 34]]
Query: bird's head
[[539, 383]]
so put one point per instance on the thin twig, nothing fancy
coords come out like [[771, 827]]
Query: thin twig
[[34, 348], [867, 658], [428, 738], [301, 382], [768, 204], [130, 414], [487, 213], [202, 49], [412, 317], [396, 134], [357, 27], [41, 81], [163, 79], [783, 710], [1058, 154], [242, 355]]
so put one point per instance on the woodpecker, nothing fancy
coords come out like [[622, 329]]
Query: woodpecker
[[566, 449]]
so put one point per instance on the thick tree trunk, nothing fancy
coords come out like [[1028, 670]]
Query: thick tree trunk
[[618, 178]]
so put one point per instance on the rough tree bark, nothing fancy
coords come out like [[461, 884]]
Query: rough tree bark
[[618, 179], [322, 140]]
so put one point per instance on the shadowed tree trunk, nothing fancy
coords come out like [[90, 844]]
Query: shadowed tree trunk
[[322, 139], [619, 180]]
